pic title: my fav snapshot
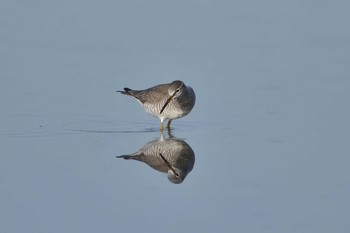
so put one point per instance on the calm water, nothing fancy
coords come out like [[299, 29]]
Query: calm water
[[270, 129]]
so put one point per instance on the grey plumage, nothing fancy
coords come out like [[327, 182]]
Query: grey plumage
[[165, 101]]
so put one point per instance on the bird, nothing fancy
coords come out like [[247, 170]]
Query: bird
[[173, 156], [167, 101]]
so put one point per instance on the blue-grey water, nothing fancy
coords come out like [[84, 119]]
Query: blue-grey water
[[270, 129]]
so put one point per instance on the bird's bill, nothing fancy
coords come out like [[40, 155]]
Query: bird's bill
[[167, 102], [168, 164]]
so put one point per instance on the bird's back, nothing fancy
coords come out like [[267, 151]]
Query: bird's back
[[149, 95]]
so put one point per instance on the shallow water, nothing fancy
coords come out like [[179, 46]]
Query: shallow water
[[270, 129]]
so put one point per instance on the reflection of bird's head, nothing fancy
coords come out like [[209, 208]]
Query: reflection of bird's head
[[175, 176]]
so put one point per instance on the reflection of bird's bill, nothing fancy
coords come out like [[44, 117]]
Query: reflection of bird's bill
[[167, 102], [168, 164]]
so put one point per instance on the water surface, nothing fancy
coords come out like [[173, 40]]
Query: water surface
[[270, 128]]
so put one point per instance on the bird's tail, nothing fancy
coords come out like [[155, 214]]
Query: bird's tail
[[127, 91], [124, 157]]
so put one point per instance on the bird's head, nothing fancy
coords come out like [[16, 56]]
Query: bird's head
[[176, 88]]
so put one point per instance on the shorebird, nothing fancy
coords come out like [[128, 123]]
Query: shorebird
[[172, 156], [165, 101]]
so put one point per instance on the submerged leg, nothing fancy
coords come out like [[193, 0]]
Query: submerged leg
[[168, 125]]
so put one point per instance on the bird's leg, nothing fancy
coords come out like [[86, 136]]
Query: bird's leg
[[161, 126], [168, 125]]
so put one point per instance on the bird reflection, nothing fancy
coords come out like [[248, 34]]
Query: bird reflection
[[172, 155]]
